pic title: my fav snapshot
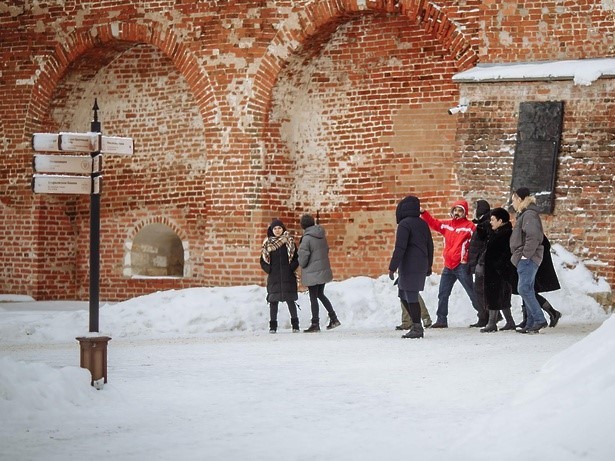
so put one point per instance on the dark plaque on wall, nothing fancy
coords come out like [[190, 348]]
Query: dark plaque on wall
[[538, 141]]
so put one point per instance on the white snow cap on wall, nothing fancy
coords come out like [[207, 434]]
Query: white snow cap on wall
[[582, 71]]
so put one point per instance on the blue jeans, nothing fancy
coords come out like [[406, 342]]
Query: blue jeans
[[447, 280], [526, 269]]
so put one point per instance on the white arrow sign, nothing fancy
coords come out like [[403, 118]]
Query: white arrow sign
[[52, 184], [115, 145], [68, 142], [79, 164], [82, 142]]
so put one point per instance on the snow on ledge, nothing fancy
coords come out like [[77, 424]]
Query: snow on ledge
[[582, 71]]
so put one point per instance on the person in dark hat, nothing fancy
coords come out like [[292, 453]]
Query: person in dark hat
[[316, 271], [499, 273], [478, 243], [279, 259], [527, 253], [412, 258]]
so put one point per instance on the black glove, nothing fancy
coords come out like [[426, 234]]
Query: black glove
[[392, 275]]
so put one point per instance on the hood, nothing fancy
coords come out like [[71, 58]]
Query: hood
[[315, 231], [461, 203], [408, 207], [482, 208]]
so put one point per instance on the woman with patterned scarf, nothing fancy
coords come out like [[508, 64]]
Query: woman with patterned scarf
[[279, 261]]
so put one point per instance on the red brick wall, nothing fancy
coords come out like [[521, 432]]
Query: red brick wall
[[242, 111]]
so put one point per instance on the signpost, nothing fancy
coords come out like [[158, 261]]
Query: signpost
[[81, 174]]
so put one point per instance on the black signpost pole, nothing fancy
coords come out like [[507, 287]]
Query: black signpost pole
[[94, 236]]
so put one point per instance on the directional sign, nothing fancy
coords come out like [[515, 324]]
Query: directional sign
[[68, 142], [82, 142], [46, 142], [56, 184], [115, 145], [79, 164], [79, 142]]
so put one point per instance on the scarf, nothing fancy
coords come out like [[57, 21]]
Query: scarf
[[274, 243]]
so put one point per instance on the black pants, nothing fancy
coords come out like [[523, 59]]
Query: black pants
[[318, 292], [273, 310]]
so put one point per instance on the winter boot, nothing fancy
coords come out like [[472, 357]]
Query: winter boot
[[273, 326], [416, 331], [333, 323], [510, 322], [524, 323], [492, 323], [481, 322], [295, 324], [314, 328], [554, 315]]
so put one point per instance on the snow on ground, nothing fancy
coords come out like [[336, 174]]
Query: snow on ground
[[194, 375]]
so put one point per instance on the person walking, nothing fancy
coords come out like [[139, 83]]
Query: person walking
[[527, 253], [316, 270], [412, 258], [499, 273], [279, 260], [457, 233], [546, 281], [478, 243]]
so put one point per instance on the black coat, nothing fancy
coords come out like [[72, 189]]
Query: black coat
[[478, 242], [281, 281], [500, 274], [546, 278], [413, 253]]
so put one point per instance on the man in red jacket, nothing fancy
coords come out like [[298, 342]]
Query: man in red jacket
[[457, 233]]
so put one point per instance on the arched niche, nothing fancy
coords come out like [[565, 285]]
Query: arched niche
[[156, 251]]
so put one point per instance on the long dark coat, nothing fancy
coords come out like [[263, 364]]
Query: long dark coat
[[281, 281], [413, 253], [500, 274], [546, 278], [478, 242]]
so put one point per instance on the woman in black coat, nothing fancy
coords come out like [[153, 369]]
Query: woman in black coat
[[412, 258], [279, 260], [499, 271]]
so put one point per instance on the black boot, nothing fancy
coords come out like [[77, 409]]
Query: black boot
[[314, 328], [416, 331], [481, 322], [333, 323], [492, 323], [295, 324], [510, 322], [524, 323], [554, 315], [273, 326]]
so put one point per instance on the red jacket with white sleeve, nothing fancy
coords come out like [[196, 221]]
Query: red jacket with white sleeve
[[457, 233]]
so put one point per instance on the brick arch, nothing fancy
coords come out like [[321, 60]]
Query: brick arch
[[81, 41], [318, 14], [139, 226]]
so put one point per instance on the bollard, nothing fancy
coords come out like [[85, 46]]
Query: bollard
[[94, 356]]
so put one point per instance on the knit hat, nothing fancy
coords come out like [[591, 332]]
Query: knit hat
[[277, 222], [522, 192], [482, 208], [501, 213], [306, 221]]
